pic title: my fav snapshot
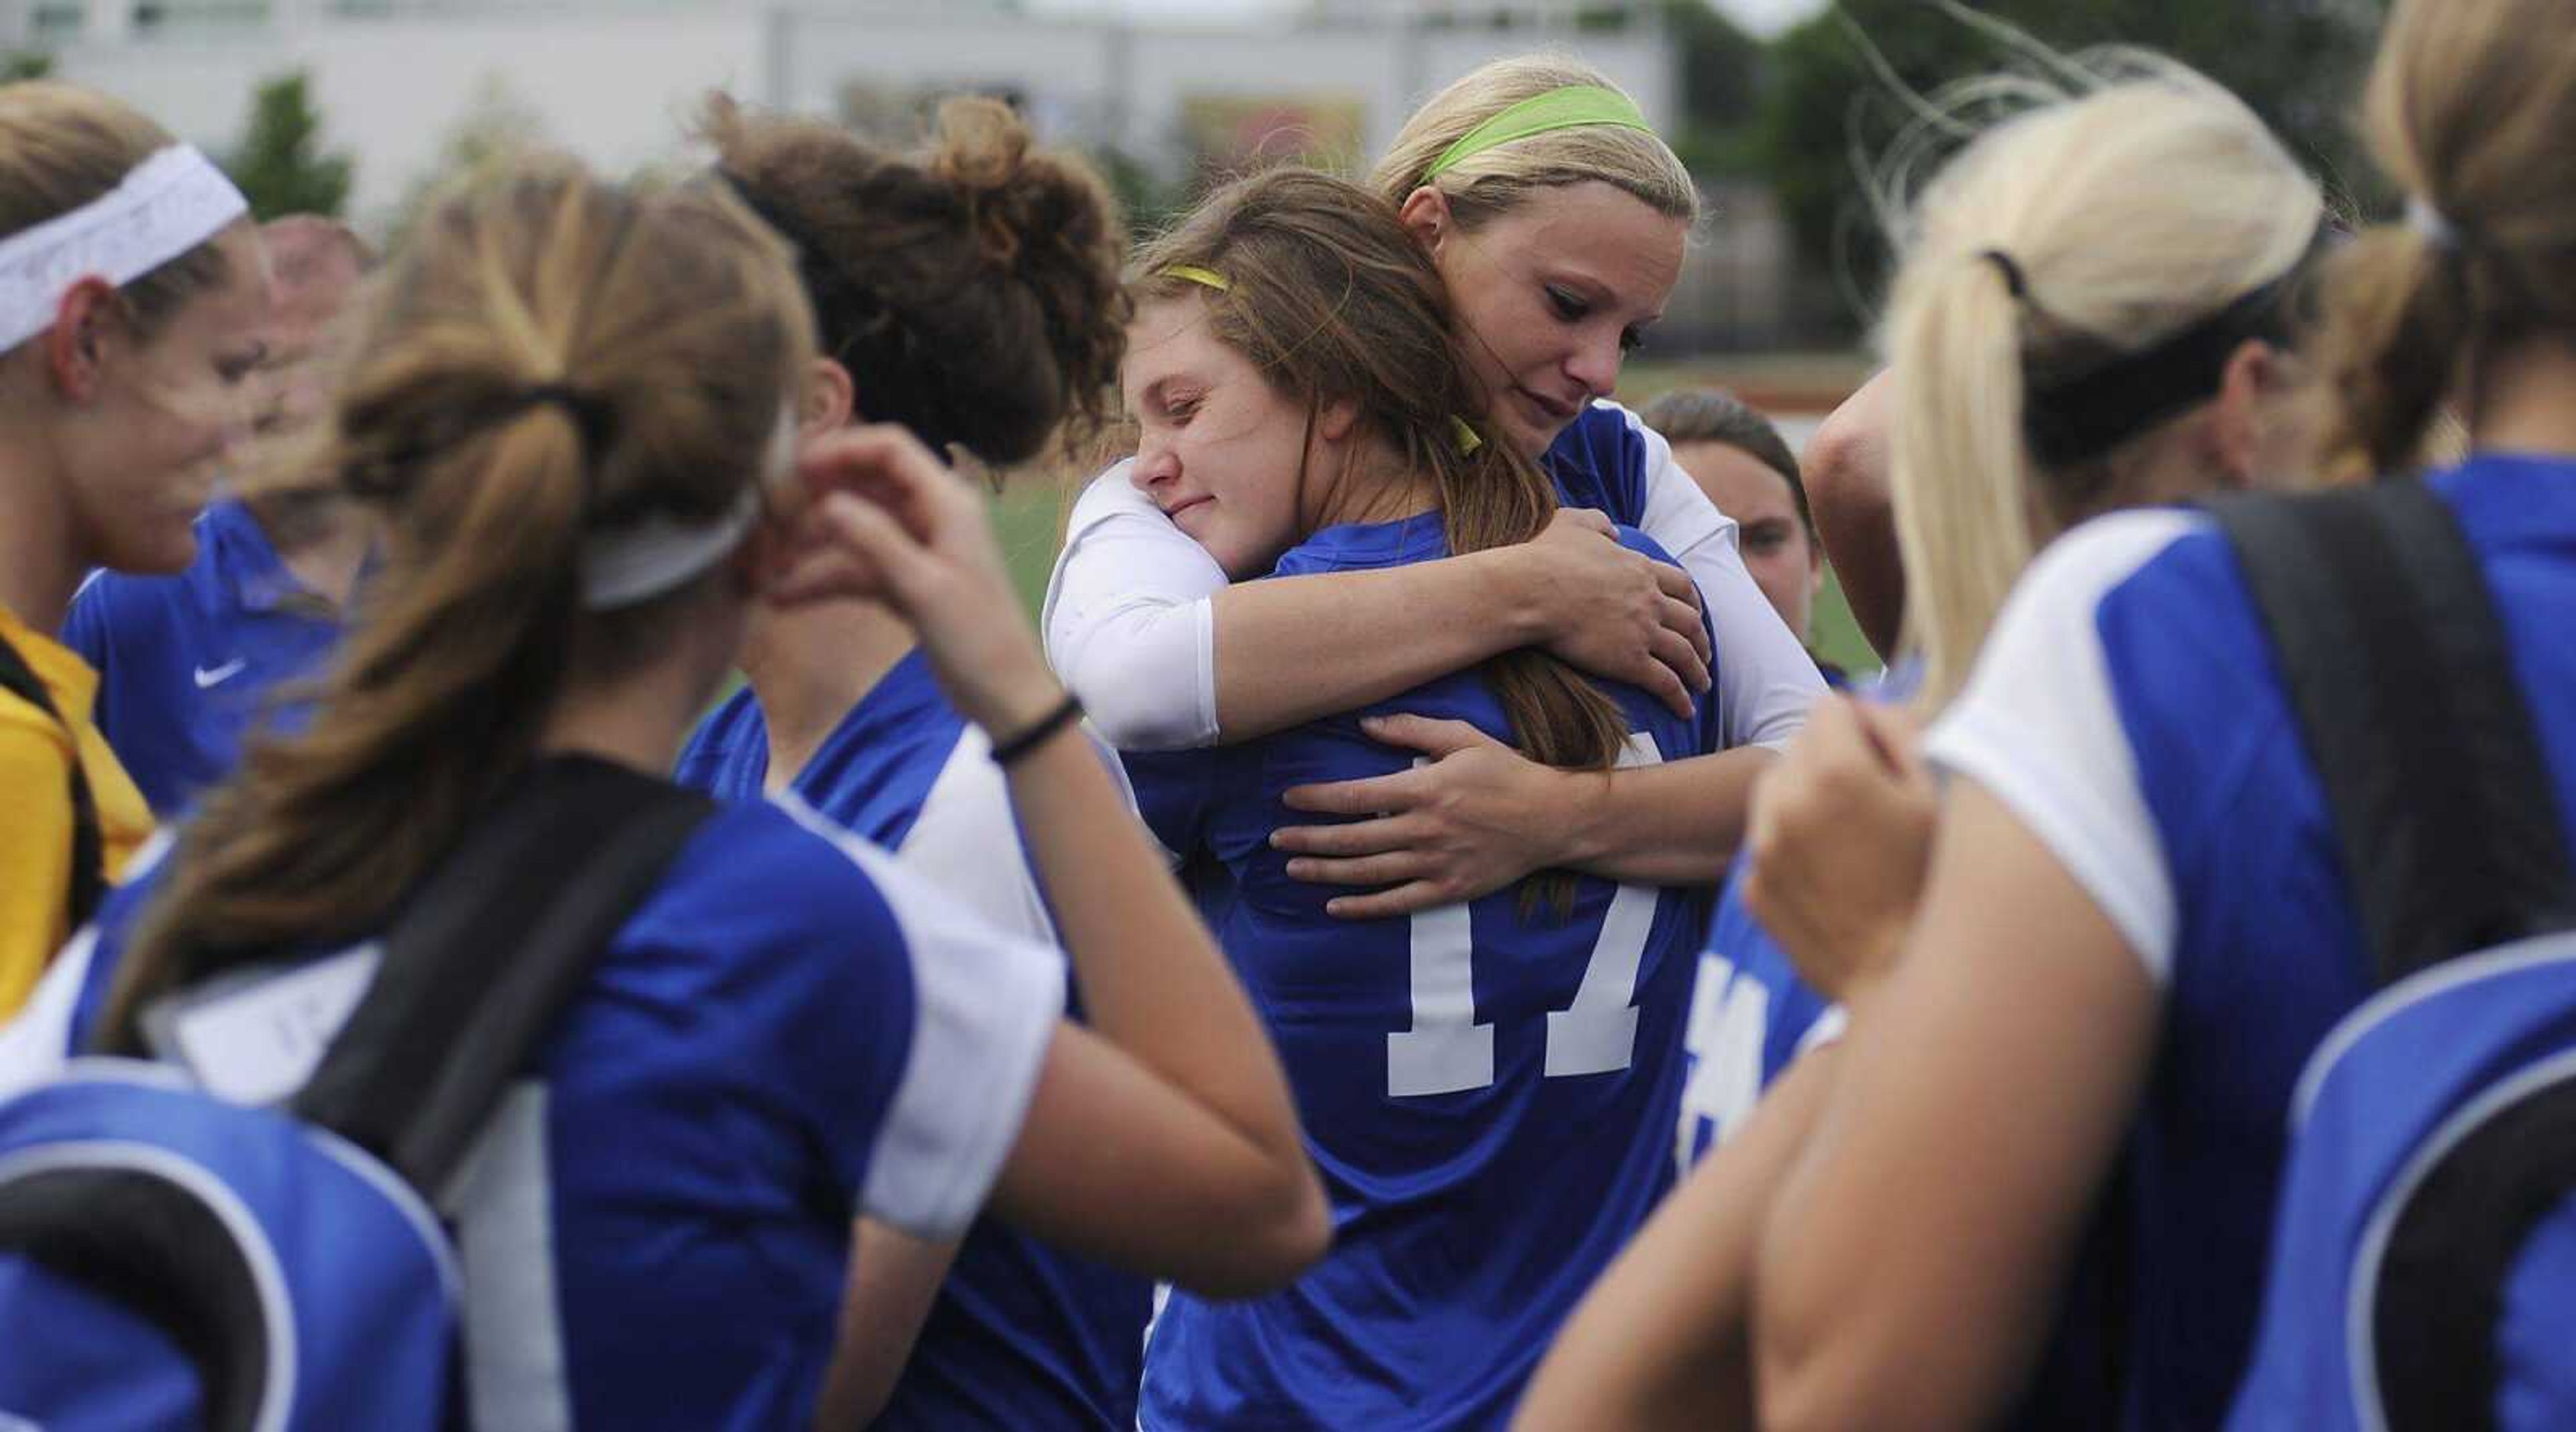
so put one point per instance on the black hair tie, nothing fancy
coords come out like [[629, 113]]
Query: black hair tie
[[2014, 283], [593, 415]]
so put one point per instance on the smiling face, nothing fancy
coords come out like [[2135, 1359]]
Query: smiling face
[[143, 452], [1552, 296], [1782, 557], [1218, 449]]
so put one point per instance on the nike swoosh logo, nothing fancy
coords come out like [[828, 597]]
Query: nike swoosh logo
[[211, 675]]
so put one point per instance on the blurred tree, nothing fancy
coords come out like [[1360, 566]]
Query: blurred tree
[[1834, 103], [280, 165], [495, 125], [1722, 71], [1149, 199], [25, 65]]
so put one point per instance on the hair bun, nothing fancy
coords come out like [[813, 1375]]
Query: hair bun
[[980, 151]]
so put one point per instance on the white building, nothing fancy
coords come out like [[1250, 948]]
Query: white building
[[613, 81], [610, 79]]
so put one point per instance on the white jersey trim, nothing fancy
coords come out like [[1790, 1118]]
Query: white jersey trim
[[986, 1005], [1766, 681], [2038, 729], [964, 830]]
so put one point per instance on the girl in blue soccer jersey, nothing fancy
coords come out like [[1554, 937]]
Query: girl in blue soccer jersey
[[1488, 1086], [2213, 399], [969, 293], [1556, 220], [574, 413]]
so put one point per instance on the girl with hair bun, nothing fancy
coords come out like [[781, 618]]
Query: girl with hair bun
[[967, 292], [1556, 218], [133, 291], [2098, 309], [1488, 1086], [574, 413]]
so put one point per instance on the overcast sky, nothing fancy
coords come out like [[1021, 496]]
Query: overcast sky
[[1763, 17]]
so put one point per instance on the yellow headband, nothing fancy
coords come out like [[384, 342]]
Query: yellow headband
[[1466, 436], [1204, 277], [1573, 107]]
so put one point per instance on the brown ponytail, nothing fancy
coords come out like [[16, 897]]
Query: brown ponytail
[[1334, 302], [2469, 109], [971, 289], [669, 333]]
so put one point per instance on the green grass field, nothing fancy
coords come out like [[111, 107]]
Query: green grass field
[[1031, 510]]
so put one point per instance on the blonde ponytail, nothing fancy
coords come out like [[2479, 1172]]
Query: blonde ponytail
[[2054, 246], [2470, 106]]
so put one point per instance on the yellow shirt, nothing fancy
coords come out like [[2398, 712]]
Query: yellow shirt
[[36, 796]]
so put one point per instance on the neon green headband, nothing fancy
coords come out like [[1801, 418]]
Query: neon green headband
[[1573, 107], [1203, 277]]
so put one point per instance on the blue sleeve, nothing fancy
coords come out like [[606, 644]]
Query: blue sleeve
[[916, 1037], [1599, 462], [1175, 791], [86, 627]]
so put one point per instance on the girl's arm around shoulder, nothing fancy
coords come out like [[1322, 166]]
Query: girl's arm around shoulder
[[1143, 625]]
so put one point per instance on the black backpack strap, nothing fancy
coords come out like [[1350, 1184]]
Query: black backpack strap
[[2451, 1252], [2398, 673], [486, 954], [89, 860]]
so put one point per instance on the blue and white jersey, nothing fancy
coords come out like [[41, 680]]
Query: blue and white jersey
[[655, 1229], [1021, 1335], [1751, 1016], [1486, 1088], [186, 662], [2128, 711]]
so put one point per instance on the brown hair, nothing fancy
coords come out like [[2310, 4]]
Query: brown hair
[[971, 289], [1332, 300], [62, 146], [1714, 415], [674, 318], [2469, 108], [1487, 185]]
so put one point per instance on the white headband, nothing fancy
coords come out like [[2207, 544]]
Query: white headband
[[655, 554], [2430, 224], [163, 207]]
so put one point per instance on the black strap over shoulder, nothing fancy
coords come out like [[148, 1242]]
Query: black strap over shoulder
[[486, 954], [2397, 669], [89, 859]]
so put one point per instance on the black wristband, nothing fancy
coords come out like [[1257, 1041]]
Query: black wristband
[[1065, 714]]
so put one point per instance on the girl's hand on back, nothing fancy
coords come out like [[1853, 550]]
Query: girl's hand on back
[[1612, 612], [1840, 841], [1474, 817], [889, 522]]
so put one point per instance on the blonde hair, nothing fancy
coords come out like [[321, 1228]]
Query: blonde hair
[[2124, 217], [62, 146], [1489, 184], [2469, 109], [552, 356]]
